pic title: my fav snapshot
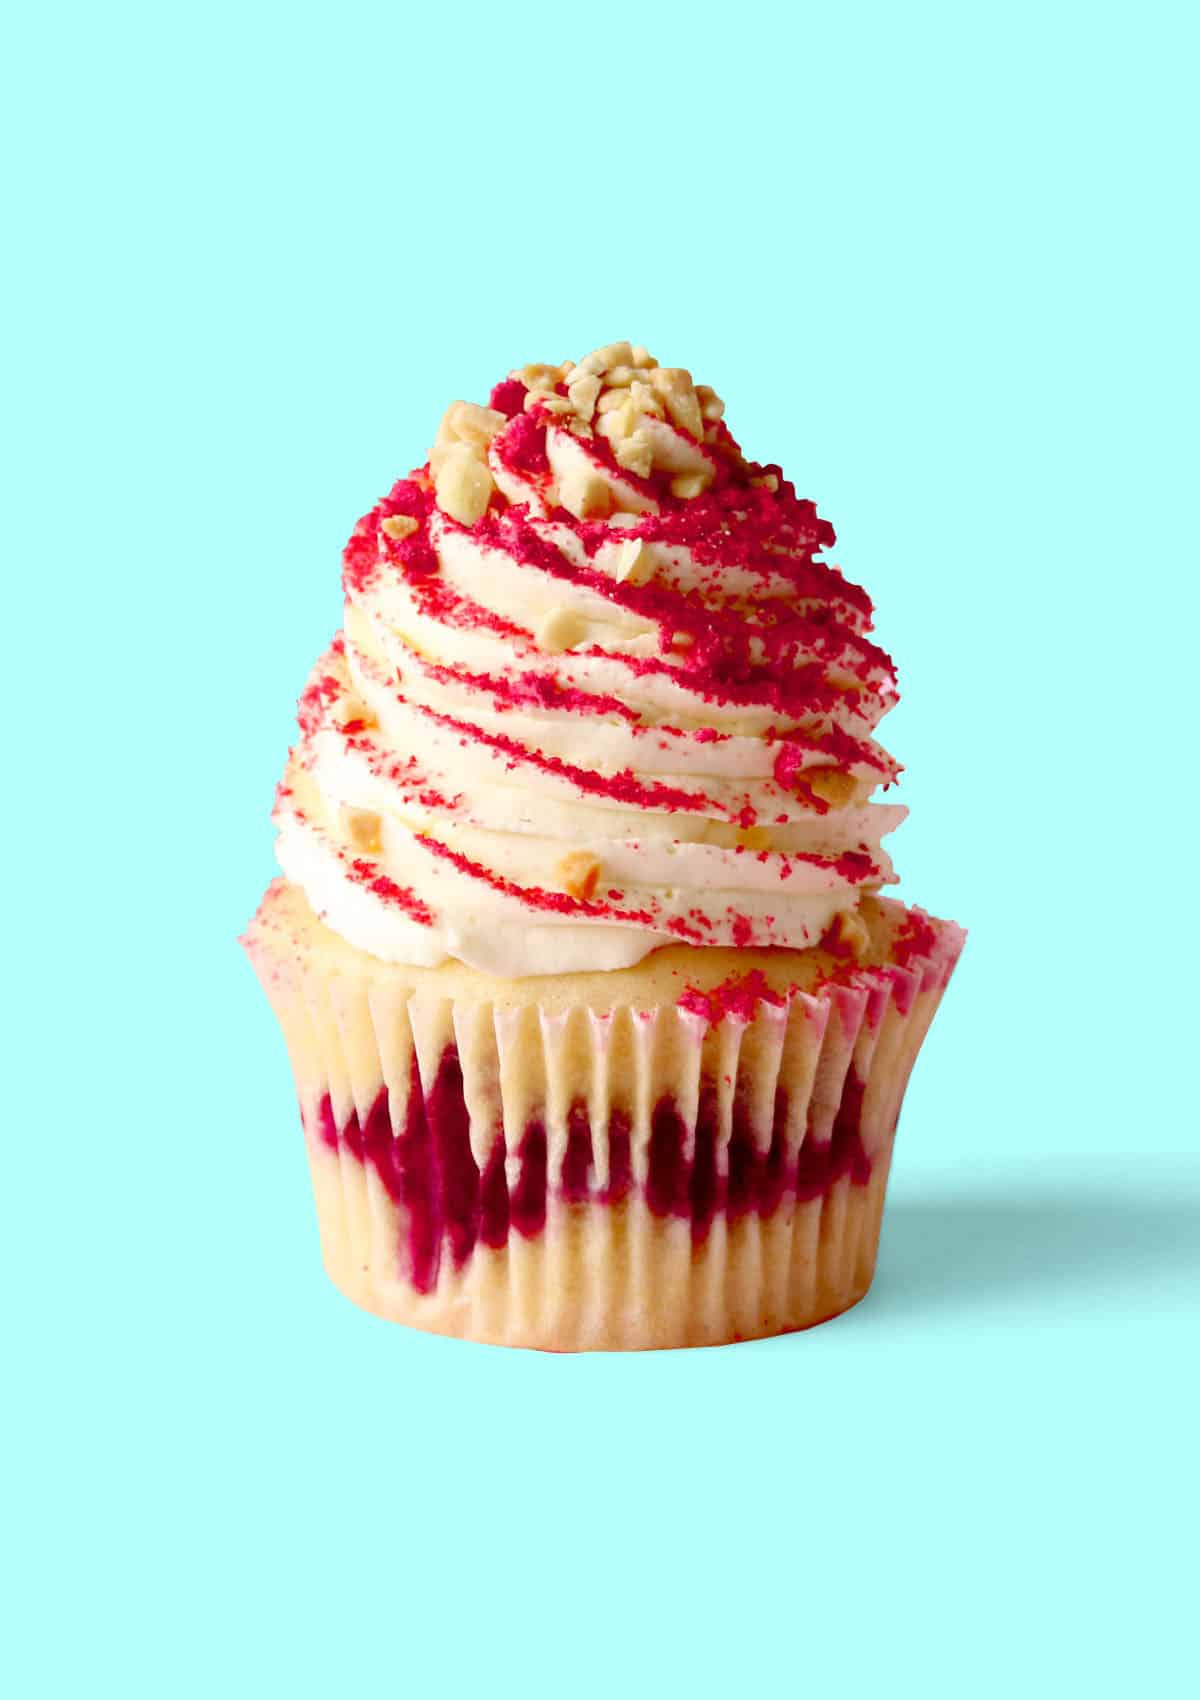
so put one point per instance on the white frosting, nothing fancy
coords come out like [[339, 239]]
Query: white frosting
[[449, 788]]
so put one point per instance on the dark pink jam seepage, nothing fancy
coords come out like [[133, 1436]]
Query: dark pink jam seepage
[[448, 1206]]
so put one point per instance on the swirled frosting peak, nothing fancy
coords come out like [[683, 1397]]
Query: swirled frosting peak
[[596, 692]]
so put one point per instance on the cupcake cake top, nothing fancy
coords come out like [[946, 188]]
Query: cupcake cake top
[[596, 692]]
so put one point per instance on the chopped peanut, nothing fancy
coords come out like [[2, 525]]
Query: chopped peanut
[[635, 453], [619, 422], [561, 629], [688, 485], [645, 400], [583, 492], [674, 385], [362, 827], [627, 559], [350, 711], [399, 526], [539, 377], [578, 874], [463, 484], [602, 360], [830, 784], [548, 400], [584, 393], [466, 422]]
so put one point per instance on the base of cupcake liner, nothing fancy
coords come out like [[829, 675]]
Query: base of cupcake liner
[[561, 1165], [602, 1277]]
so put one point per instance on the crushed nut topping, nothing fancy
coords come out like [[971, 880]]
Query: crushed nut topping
[[618, 390], [625, 384]]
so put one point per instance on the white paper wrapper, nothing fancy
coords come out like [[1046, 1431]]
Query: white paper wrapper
[[537, 1171]]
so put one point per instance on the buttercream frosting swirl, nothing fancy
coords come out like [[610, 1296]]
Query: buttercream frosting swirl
[[596, 691]]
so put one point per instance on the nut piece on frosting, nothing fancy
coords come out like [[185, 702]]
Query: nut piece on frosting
[[362, 828], [467, 422], [602, 360], [463, 484], [635, 453], [560, 630], [596, 383], [583, 393], [462, 481], [674, 385], [831, 785], [632, 557], [578, 873]]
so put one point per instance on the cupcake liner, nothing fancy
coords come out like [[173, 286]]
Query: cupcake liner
[[573, 1178]]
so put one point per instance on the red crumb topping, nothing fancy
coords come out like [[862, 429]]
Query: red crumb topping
[[508, 397], [413, 784], [622, 787], [323, 687], [852, 865], [398, 896], [534, 690], [521, 446], [369, 548], [845, 750]]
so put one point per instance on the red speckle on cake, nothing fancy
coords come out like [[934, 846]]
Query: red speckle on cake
[[739, 996], [916, 939]]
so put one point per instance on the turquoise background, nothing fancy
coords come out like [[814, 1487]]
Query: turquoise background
[[940, 262]]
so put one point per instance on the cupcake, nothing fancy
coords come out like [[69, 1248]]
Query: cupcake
[[599, 1022]]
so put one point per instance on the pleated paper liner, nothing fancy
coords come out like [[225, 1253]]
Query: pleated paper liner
[[560, 1175]]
